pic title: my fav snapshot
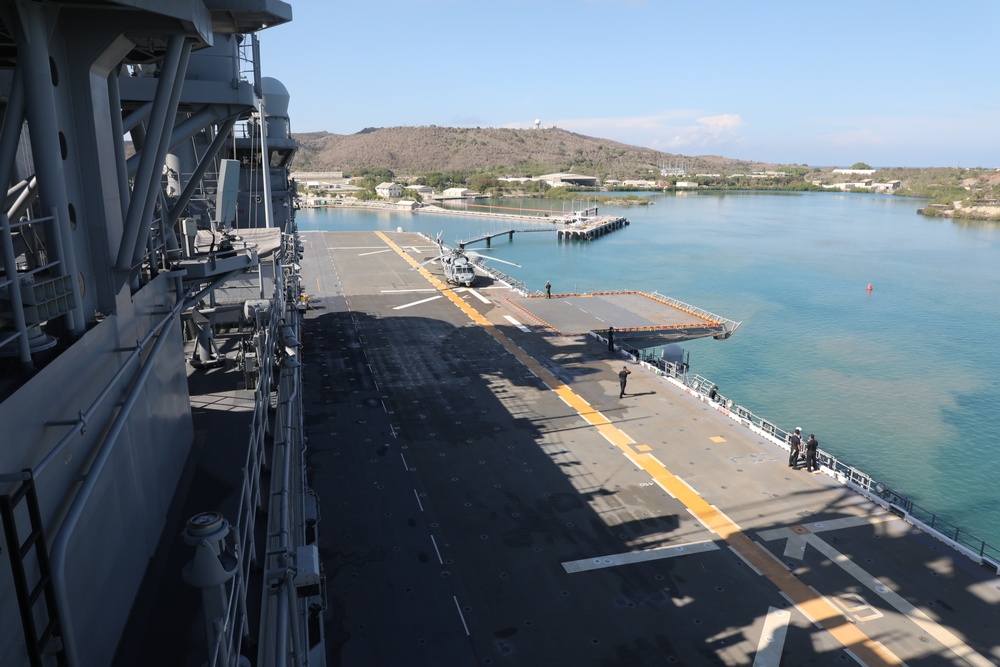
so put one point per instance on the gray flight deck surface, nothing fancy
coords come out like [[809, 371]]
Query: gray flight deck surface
[[474, 514], [581, 313]]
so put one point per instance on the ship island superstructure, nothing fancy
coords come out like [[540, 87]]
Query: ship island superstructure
[[148, 206]]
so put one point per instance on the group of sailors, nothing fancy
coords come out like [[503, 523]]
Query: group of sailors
[[797, 446]]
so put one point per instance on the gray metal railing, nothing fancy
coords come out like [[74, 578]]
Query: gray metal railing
[[284, 628], [961, 539], [497, 274], [729, 326]]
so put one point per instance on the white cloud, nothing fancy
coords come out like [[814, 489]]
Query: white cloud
[[708, 132]]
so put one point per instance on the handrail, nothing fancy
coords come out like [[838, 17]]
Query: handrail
[[963, 541], [231, 630], [60, 545], [283, 624], [728, 325]]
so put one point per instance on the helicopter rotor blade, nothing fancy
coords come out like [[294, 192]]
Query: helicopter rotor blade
[[476, 255], [432, 259]]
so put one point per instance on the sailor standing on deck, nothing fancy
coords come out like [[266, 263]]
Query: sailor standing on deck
[[811, 446], [622, 379], [795, 440]]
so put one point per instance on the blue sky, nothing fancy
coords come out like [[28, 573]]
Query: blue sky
[[890, 83]]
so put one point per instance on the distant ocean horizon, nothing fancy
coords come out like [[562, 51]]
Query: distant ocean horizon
[[902, 382]]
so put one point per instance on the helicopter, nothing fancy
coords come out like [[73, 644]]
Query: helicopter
[[458, 263]]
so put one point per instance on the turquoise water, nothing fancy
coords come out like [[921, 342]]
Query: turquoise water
[[903, 383]]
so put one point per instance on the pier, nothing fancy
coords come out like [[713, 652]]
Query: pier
[[489, 237], [591, 228]]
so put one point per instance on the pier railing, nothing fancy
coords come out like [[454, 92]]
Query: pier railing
[[958, 538]]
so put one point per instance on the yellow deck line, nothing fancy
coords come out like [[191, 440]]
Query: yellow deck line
[[814, 606]]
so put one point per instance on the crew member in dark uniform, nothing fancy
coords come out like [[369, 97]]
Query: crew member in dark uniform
[[622, 379], [795, 440], [811, 446]]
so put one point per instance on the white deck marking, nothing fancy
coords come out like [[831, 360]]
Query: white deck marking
[[404, 291], [437, 551], [931, 627], [795, 547], [419, 504], [461, 615], [478, 295], [416, 303], [374, 252], [517, 324], [772, 638], [614, 560]]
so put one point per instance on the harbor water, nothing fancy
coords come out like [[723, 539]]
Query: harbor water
[[902, 382]]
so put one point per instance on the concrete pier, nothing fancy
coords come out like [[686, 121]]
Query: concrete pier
[[592, 228]]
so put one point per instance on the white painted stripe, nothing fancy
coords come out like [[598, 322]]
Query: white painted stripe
[[614, 560], [517, 324], [405, 464], [419, 504], [772, 638], [404, 291], [461, 615], [374, 252], [942, 634], [437, 551], [795, 547], [478, 295], [416, 303], [848, 522]]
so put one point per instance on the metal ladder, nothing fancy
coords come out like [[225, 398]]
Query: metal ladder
[[20, 553]]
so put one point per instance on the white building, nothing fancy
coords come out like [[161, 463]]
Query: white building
[[862, 172], [422, 190], [389, 190]]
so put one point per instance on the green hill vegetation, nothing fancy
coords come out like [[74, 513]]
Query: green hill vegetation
[[476, 158]]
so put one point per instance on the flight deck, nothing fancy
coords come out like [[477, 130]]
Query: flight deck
[[631, 314], [488, 499]]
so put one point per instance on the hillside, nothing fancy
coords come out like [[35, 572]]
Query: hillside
[[461, 153], [417, 150]]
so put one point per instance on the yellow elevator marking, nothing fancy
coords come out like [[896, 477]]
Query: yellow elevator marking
[[814, 606]]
